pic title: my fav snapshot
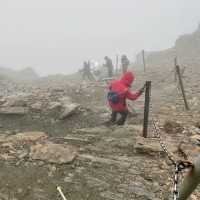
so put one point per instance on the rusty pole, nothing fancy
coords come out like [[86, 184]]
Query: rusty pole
[[182, 87], [146, 108]]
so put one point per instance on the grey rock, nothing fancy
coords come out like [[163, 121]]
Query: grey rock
[[36, 106], [97, 183], [68, 110], [141, 192], [111, 196]]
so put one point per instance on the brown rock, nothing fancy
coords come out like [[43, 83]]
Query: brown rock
[[53, 153]]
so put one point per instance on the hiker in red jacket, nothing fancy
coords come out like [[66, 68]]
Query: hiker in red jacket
[[119, 91]]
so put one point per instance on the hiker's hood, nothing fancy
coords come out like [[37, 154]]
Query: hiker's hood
[[128, 78]]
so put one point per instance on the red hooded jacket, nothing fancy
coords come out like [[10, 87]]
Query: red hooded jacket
[[122, 87]]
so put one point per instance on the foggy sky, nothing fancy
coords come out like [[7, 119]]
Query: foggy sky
[[56, 36]]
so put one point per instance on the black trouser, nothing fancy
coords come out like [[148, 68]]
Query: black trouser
[[122, 119]]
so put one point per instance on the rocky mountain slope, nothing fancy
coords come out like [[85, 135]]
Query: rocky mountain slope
[[186, 49], [52, 134]]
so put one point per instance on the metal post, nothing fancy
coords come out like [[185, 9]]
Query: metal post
[[143, 58], [182, 87], [146, 108]]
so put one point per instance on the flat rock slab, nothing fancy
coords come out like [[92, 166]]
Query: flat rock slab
[[93, 131], [53, 153], [147, 146], [13, 110], [24, 137]]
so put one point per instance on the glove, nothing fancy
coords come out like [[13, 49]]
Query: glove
[[141, 90]]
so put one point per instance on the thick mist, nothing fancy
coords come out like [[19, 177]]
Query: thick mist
[[57, 36]]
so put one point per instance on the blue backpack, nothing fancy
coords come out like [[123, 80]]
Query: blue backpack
[[113, 97]]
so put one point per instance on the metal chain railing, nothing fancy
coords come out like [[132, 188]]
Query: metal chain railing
[[179, 165]]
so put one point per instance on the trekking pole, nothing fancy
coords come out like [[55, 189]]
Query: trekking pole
[[61, 193], [146, 108]]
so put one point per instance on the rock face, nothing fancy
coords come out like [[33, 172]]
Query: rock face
[[53, 153]]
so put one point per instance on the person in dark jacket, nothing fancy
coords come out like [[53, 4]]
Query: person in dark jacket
[[86, 72], [108, 64], [124, 63], [119, 91]]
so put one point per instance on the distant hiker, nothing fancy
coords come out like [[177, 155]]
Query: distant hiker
[[125, 63], [108, 64], [86, 72], [119, 91]]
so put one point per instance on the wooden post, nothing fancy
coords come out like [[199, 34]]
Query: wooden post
[[182, 87], [146, 108], [143, 58]]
